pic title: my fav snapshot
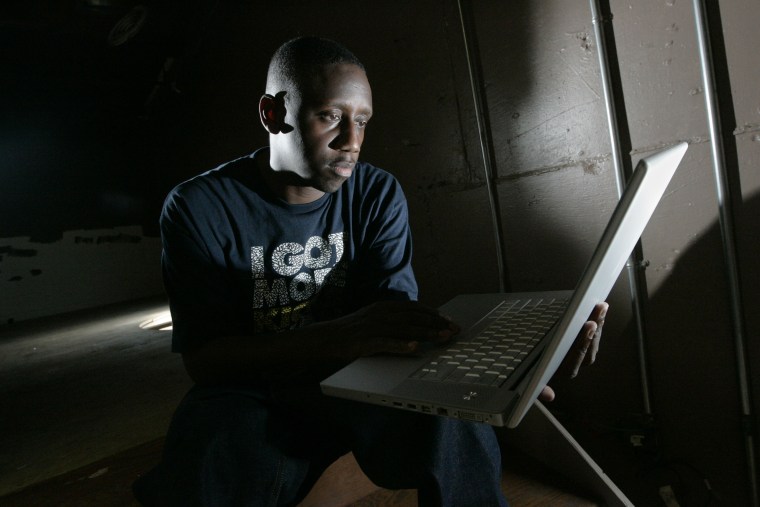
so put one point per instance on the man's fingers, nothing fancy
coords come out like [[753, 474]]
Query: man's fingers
[[601, 314], [594, 346], [547, 394], [586, 344], [413, 320], [580, 350], [424, 333], [392, 346]]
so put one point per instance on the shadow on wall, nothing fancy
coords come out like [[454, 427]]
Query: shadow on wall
[[693, 361], [697, 440]]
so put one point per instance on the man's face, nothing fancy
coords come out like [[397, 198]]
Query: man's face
[[329, 114]]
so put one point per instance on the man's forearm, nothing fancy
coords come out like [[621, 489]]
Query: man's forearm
[[385, 326], [242, 359]]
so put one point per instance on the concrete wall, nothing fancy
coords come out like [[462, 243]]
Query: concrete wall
[[84, 157]]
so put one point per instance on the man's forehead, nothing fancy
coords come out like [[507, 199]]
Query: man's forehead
[[336, 82]]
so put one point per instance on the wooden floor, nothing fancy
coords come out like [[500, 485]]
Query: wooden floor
[[107, 483]]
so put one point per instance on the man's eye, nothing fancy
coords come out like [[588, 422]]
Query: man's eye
[[331, 116], [361, 123]]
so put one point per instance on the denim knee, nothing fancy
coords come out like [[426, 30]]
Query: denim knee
[[228, 447]]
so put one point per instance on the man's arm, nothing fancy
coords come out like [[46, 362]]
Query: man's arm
[[389, 326]]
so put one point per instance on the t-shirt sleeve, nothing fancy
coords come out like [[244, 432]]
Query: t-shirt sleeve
[[386, 257], [201, 289]]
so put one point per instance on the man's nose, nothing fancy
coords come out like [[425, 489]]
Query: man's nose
[[351, 137]]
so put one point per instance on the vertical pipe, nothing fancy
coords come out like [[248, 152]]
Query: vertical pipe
[[729, 240], [635, 263], [484, 131]]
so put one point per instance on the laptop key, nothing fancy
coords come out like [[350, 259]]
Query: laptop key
[[497, 350]]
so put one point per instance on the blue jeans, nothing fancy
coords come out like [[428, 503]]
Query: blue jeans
[[247, 447]]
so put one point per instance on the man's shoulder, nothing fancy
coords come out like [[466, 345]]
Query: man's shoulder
[[229, 175], [372, 179], [367, 170]]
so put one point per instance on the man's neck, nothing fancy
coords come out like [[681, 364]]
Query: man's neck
[[285, 185]]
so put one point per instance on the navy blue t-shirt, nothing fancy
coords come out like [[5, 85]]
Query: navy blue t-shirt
[[237, 260]]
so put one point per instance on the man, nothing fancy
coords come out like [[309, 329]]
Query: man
[[280, 267]]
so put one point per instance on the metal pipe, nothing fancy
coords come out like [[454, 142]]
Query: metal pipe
[[729, 240], [635, 264], [484, 132]]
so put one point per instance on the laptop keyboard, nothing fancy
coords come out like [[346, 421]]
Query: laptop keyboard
[[491, 356]]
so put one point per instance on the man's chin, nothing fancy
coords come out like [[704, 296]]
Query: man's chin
[[331, 185]]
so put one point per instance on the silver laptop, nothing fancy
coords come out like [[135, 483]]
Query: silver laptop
[[494, 371]]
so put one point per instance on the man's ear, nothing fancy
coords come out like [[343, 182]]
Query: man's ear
[[267, 113], [272, 113]]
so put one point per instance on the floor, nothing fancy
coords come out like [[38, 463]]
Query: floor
[[86, 401], [106, 483], [79, 388]]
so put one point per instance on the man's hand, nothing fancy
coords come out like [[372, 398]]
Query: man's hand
[[583, 350], [396, 327]]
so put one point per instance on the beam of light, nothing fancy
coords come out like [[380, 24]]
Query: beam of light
[[161, 321]]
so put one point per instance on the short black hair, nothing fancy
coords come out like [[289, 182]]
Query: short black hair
[[302, 57]]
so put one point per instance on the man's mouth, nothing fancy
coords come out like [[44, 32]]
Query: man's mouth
[[343, 167]]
